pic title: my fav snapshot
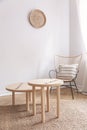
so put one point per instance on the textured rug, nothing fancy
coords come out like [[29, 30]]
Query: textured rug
[[73, 116]]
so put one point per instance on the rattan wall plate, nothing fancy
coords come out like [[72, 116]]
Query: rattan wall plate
[[37, 18]]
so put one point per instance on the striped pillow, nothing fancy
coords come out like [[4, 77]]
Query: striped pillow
[[67, 72]]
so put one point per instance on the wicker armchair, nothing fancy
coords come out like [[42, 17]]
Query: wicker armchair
[[67, 69]]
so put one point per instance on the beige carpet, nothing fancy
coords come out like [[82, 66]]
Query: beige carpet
[[73, 116]]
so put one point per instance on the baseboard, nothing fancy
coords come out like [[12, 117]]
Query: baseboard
[[5, 94], [9, 93], [85, 93]]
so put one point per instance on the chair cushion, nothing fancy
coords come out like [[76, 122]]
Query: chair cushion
[[67, 71]]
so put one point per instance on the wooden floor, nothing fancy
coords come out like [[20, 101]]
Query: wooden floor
[[65, 94]]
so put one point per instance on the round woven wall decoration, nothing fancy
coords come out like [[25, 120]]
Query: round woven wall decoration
[[37, 18]]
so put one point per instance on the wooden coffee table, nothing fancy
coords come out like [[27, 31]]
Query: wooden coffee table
[[42, 83]]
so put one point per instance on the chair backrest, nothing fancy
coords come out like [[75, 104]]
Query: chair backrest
[[67, 67], [65, 60]]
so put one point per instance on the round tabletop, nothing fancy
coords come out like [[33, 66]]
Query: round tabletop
[[19, 87], [46, 82]]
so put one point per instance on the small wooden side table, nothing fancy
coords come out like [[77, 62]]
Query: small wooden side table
[[20, 87], [42, 83]]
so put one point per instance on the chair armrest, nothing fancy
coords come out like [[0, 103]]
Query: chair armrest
[[53, 71]]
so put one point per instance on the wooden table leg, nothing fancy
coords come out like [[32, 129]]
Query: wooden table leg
[[30, 97], [48, 99], [27, 101], [58, 101], [13, 98], [34, 100], [43, 104]]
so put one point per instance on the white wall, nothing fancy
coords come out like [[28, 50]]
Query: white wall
[[25, 52]]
